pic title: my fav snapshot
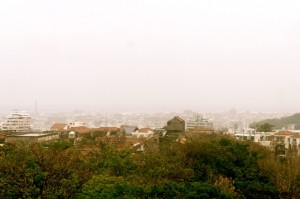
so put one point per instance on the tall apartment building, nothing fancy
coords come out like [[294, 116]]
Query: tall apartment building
[[198, 122], [17, 121]]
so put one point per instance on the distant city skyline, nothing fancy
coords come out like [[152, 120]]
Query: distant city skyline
[[144, 56]]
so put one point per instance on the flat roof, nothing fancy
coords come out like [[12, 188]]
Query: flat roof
[[32, 135], [245, 134], [295, 131]]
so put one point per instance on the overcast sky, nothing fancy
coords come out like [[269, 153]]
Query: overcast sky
[[150, 55]]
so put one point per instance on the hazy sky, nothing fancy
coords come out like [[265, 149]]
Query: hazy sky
[[208, 55]]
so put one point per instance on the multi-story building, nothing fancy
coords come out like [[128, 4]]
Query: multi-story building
[[198, 122], [17, 121], [175, 128], [76, 124]]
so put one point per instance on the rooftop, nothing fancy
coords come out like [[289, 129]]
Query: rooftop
[[32, 135], [285, 133]]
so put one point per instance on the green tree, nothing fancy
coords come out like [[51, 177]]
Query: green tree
[[266, 127]]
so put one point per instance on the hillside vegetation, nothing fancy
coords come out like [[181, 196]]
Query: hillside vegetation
[[282, 122], [212, 166]]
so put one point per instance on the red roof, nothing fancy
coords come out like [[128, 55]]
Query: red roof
[[145, 130], [58, 126], [107, 129], [296, 136], [81, 129]]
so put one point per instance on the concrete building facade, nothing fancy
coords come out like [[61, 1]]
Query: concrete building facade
[[32, 137], [18, 122], [175, 128], [198, 122]]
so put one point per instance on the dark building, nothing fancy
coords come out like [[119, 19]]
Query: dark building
[[175, 128]]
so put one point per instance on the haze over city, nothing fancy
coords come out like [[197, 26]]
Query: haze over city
[[150, 55]]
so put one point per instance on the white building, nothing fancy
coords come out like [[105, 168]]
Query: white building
[[76, 124], [72, 135], [142, 133], [17, 121], [198, 122]]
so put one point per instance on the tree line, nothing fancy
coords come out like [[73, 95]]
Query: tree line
[[210, 166]]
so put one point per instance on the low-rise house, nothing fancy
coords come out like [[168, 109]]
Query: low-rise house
[[107, 129], [128, 130], [59, 127], [196, 131], [143, 133], [103, 131], [32, 137], [72, 135], [81, 130]]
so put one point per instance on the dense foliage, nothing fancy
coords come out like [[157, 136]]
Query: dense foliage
[[265, 127], [281, 123], [211, 166]]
